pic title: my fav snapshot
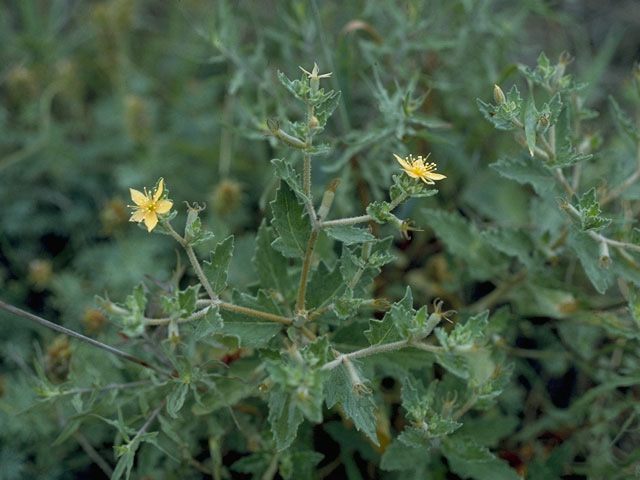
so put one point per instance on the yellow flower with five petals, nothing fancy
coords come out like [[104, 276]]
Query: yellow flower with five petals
[[419, 168], [148, 206]]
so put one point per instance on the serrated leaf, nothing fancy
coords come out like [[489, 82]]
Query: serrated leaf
[[471, 460], [176, 398], [589, 209], [187, 299], [323, 286], [357, 406], [251, 331], [291, 222], [349, 234], [216, 268], [465, 242], [210, 324], [525, 169], [284, 417], [299, 88], [194, 233], [470, 331], [515, 243], [325, 107], [299, 465], [567, 155], [390, 328], [402, 457], [286, 172], [271, 266], [379, 211]]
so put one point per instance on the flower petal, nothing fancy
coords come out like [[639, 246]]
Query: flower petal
[[137, 216], [163, 206], [158, 192], [150, 220], [138, 197], [435, 176], [401, 161], [427, 180]]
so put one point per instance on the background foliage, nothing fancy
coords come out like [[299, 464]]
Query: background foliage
[[100, 96]]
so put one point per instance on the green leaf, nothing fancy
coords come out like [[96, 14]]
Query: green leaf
[[299, 465], [291, 222], [212, 323], [133, 324], [358, 406], [379, 211], [525, 169], [567, 155], [298, 88], [271, 266], [587, 251], [465, 242], [325, 106], [286, 172], [471, 331], [625, 124], [389, 329], [402, 457], [323, 286], [256, 463], [284, 417], [216, 269], [516, 243], [251, 331], [194, 233], [176, 398], [187, 299], [589, 209], [530, 123], [471, 460], [502, 116], [349, 234]]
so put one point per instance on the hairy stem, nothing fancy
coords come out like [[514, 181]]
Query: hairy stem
[[255, 313]]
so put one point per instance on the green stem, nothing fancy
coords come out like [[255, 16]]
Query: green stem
[[255, 313], [192, 259], [362, 218], [304, 275]]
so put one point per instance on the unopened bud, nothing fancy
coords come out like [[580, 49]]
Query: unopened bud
[[498, 95], [605, 259], [314, 123], [327, 198]]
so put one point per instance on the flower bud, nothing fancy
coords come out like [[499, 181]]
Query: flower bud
[[137, 119], [40, 273], [327, 198], [498, 95], [605, 258], [227, 197]]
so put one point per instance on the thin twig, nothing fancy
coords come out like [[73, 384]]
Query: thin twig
[[93, 454], [149, 421], [79, 336]]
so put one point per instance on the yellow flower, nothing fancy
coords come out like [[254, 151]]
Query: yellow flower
[[419, 168], [149, 206]]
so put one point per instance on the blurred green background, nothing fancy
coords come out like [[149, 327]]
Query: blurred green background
[[100, 96]]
